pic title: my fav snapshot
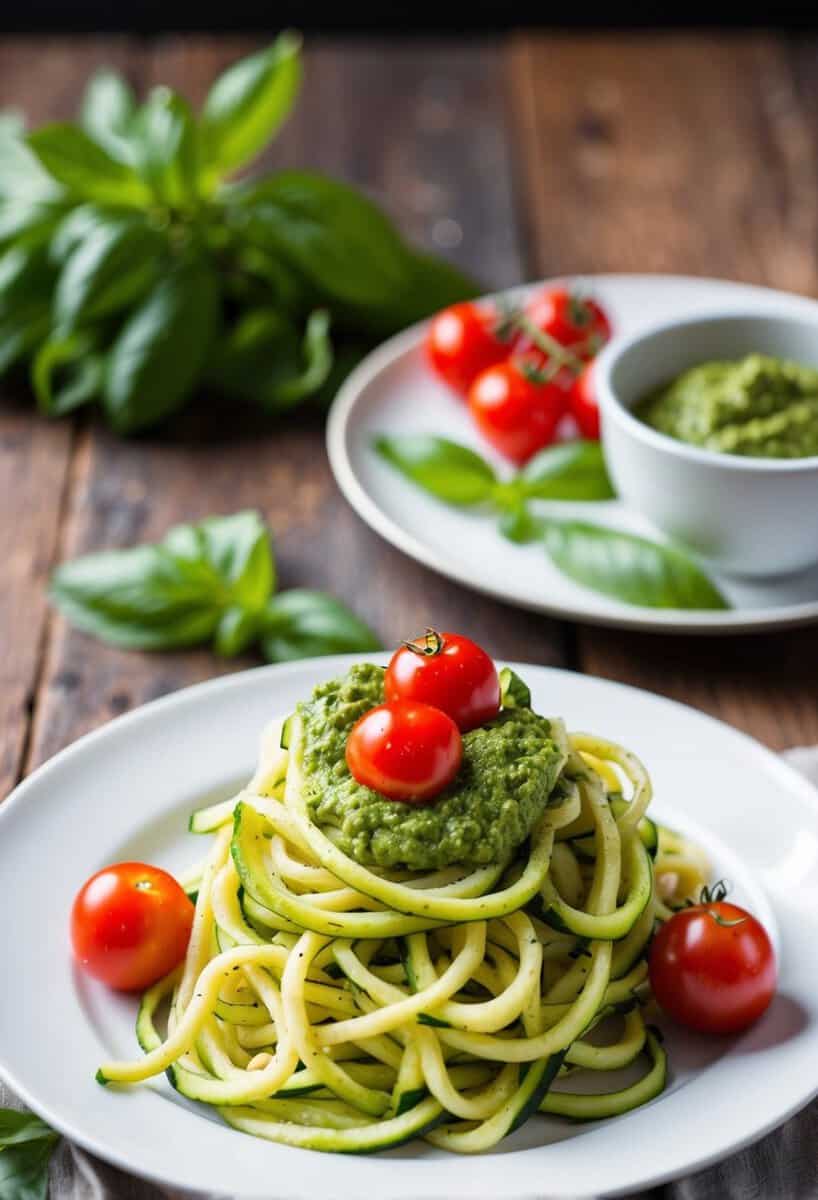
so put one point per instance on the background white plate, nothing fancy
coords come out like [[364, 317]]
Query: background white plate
[[126, 792], [393, 391]]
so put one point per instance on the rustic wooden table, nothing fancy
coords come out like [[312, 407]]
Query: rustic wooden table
[[522, 158]]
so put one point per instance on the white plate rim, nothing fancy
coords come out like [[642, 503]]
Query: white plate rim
[[340, 419], [790, 779]]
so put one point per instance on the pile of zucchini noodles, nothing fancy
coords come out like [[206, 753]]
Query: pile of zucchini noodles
[[332, 1006]]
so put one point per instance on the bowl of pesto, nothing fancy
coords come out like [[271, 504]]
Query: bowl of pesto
[[710, 429]]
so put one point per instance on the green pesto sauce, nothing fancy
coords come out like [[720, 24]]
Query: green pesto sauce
[[759, 406], [509, 769]]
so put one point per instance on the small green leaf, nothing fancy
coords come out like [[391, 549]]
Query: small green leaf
[[264, 359], [66, 373], [247, 104], [235, 631], [166, 147], [140, 599], [158, 356], [195, 583], [519, 525], [77, 225], [345, 246], [24, 1169], [110, 269], [26, 280], [571, 471], [237, 548], [82, 166], [629, 568], [451, 472], [514, 693], [108, 108], [305, 624], [19, 1127]]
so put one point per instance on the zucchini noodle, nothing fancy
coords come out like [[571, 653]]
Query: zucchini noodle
[[340, 1007]]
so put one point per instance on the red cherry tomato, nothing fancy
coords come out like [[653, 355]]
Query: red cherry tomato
[[404, 750], [130, 925], [583, 405], [462, 342], [449, 671], [518, 415], [712, 967], [571, 318]]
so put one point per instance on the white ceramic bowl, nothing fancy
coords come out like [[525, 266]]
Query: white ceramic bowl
[[748, 516]]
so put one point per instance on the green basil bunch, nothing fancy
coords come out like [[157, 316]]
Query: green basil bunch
[[133, 273], [209, 582], [622, 565]]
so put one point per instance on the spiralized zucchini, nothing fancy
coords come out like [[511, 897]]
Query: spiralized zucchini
[[338, 1007]]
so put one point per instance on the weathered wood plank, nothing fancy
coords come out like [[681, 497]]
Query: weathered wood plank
[[691, 154], [41, 78], [422, 129]]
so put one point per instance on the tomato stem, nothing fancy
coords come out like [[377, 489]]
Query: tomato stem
[[433, 644], [549, 345]]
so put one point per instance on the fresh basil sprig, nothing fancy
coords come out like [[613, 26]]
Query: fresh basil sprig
[[134, 274], [209, 582], [459, 475], [26, 1146], [611, 561]]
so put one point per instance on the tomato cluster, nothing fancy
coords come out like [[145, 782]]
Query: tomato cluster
[[523, 370], [437, 687]]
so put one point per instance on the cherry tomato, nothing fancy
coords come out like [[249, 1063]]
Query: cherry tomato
[[571, 318], [583, 405], [130, 925], [461, 342], [712, 967], [449, 671], [405, 750], [514, 412]]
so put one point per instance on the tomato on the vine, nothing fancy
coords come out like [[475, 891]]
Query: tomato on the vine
[[570, 318], [130, 925], [517, 407], [462, 341], [712, 966], [405, 750], [448, 671], [583, 403]]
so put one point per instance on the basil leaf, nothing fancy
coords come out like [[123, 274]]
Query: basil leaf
[[304, 624], [236, 630], [66, 373], [108, 107], [166, 147], [21, 173], [18, 1127], [265, 360], [24, 1169], [235, 549], [430, 284], [110, 269], [446, 469], [514, 693], [571, 471], [77, 225], [160, 351], [342, 243], [172, 594], [247, 104], [141, 599], [629, 568], [82, 166], [519, 525], [26, 278]]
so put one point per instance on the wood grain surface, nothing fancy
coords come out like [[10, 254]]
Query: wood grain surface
[[540, 155]]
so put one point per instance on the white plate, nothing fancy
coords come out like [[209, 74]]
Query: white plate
[[393, 391], [126, 791]]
